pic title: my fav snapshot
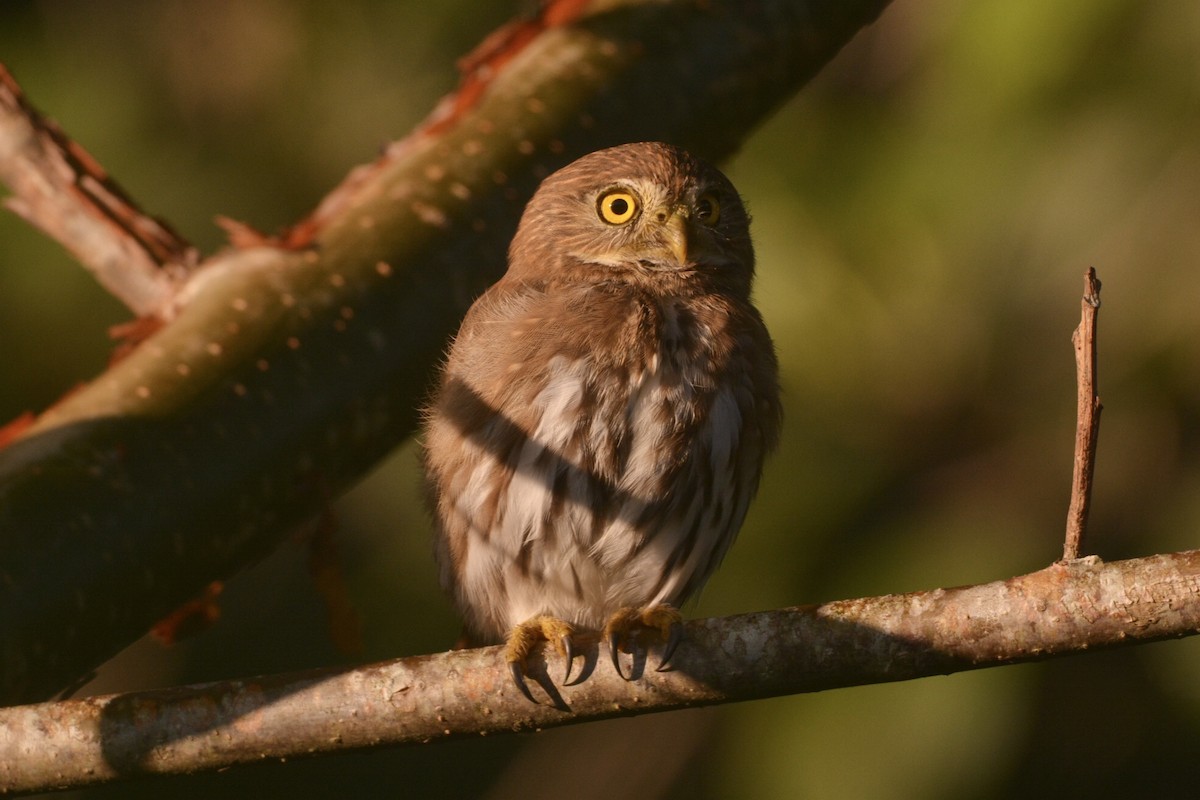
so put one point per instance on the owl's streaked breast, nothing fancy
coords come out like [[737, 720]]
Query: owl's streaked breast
[[622, 457]]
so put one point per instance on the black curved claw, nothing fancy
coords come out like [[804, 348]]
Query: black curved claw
[[518, 676], [674, 637], [615, 650], [569, 654]]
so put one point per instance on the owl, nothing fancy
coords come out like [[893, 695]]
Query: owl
[[600, 424]]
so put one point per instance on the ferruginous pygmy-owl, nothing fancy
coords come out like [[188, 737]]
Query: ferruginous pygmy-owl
[[602, 418]]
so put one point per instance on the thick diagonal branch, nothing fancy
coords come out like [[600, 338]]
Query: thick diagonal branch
[[1063, 609]]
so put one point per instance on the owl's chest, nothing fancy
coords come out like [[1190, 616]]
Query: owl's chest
[[666, 345], [627, 405], [670, 373]]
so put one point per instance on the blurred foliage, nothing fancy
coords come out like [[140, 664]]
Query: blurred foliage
[[924, 212]]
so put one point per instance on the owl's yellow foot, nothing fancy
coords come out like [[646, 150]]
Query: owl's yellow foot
[[525, 637], [622, 629]]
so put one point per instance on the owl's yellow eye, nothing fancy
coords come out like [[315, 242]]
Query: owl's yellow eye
[[708, 209], [617, 206]]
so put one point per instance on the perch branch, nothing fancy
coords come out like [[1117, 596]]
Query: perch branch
[[293, 364], [1066, 608], [1087, 425], [58, 187]]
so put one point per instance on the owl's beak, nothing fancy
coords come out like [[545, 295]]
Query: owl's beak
[[676, 234]]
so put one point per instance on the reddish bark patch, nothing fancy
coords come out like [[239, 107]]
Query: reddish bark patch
[[132, 333], [13, 429], [190, 618]]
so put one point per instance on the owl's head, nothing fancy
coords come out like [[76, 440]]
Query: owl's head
[[646, 213]]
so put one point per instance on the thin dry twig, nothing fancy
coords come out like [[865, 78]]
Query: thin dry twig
[[1087, 427], [1065, 608], [60, 188]]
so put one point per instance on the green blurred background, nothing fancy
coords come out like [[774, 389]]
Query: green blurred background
[[924, 213]]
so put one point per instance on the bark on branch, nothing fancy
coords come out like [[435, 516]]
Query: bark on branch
[[293, 363], [1068, 607]]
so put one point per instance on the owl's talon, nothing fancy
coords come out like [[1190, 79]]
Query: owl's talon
[[625, 625], [614, 648], [518, 676], [524, 638], [568, 651], [674, 637]]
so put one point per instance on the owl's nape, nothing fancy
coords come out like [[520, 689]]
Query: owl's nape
[[604, 412]]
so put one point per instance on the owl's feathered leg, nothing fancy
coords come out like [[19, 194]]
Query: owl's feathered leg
[[622, 628], [522, 640]]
